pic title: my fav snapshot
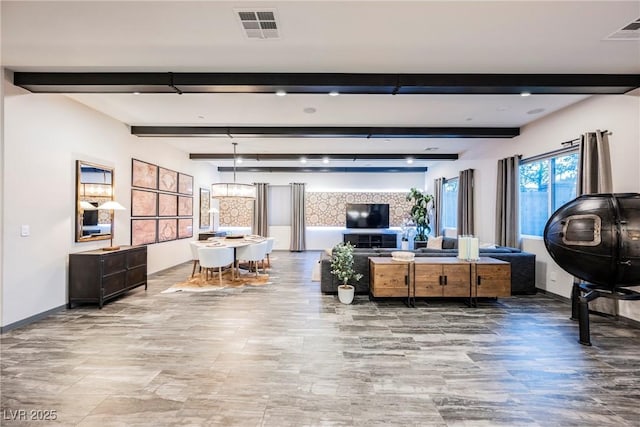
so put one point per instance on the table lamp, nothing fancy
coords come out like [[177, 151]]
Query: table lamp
[[111, 205]]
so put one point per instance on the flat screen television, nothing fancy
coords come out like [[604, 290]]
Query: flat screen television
[[367, 215], [90, 217]]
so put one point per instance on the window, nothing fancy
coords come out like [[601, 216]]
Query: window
[[546, 184], [279, 205], [450, 203]]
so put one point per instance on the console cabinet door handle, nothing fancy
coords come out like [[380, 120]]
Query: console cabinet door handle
[[479, 280], [445, 280]]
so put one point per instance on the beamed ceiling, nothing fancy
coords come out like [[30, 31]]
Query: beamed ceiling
[[420, 80]]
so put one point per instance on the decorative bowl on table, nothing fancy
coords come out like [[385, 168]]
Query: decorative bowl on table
[[402, 256]]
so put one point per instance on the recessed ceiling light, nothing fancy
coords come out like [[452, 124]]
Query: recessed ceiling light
[[525, 93], [303, 160], [201, 117], [535, 111], [136, 93], [469, 119], [430, 148], [239, 159], [334, 93], [409, 161], [280, 92], [309, 110], [325, 160]]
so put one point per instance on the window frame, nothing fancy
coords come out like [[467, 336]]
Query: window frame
[[444, 183], [551, 193]]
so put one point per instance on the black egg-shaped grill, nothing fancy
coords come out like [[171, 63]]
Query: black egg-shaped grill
[[596, 238]]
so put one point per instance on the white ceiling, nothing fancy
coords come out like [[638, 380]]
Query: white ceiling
[[322, 36]]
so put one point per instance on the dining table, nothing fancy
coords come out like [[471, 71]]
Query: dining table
[[231, 242]]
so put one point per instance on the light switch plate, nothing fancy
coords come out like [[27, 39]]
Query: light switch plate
[[24, 230]]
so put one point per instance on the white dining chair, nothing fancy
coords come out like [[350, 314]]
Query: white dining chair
[[194, 255], [252, 253], [270, 242], [211, 258]]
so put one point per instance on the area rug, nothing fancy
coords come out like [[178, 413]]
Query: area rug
[[199, 284]]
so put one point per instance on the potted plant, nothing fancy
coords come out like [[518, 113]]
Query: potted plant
[[420, 214], [342, 268]]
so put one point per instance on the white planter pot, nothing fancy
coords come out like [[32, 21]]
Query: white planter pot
[[345, 294], [404, 245]]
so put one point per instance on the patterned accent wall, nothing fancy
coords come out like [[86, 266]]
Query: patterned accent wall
[[236, 213], [329, 209]]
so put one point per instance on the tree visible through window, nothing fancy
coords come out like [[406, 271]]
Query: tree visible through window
[[450, 203], [545, 185]]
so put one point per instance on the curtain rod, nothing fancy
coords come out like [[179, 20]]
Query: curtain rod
[[570, 142]]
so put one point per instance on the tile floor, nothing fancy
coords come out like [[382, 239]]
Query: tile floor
[[286, 355]]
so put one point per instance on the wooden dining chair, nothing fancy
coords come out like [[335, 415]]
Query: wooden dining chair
[[270, 242], [211, 258], [194, 254], [252, 253]]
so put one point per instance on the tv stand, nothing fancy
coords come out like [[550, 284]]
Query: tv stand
[[380, 239]]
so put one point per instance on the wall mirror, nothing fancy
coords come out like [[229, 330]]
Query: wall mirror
[[94, 186]]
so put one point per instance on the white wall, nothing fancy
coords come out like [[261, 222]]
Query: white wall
[[335, 181], [619, 114], [44, 135], [2, 249]]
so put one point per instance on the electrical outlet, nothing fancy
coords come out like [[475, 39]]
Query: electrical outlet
[[25, 230], [553, 276]]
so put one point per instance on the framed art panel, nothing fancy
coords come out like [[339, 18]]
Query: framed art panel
[[144, 203], [185, 206], [205, 205], [167, 229], [144, 174], [167, 180], [185, 228], [143, 231], [185, 184], [167, 205]]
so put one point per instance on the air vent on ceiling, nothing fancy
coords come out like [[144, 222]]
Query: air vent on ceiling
[[259, 24], [630, 31]]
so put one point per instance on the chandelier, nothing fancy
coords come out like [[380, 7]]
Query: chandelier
[[225, 190]]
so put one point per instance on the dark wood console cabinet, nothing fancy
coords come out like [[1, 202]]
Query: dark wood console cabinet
[[372, 240], [97, 276]]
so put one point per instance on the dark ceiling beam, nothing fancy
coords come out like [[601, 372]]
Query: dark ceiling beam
[[309, 83], [323, 132], [312, 157], [325, 169]]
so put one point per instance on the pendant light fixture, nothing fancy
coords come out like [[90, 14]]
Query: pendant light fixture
[[224, 190]]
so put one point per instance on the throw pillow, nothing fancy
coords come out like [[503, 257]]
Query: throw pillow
[[488, 246], [434, 243]]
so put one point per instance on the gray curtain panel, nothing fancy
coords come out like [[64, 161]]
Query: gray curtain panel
[[507, 203], [260, 224], [594, 169], [594, 176], [298, 241], [466, 224], [437, 206]]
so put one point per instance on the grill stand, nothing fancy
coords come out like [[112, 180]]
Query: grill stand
[[582, 293]]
